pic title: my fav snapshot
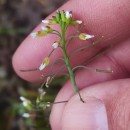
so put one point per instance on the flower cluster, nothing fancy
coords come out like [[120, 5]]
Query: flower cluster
[[40, 99], [26, 103], [64, 19]]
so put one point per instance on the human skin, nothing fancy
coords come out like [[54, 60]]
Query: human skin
[[107, 96]]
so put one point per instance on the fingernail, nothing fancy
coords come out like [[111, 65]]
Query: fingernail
[[90, 115]]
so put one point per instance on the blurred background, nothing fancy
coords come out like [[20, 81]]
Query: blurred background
[[17, 19]]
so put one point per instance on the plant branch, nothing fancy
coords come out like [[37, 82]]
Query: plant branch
[[85, 47], [93, 69]]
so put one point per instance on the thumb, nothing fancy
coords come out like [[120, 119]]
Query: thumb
[[90, 115]]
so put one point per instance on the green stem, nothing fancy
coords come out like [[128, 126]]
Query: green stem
[[67, 62], [70, 70]]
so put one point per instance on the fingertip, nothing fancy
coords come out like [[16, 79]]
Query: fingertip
[[90, 115]]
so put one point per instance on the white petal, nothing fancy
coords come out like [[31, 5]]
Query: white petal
[[89, 36], [44, 28], [79, 21], [25, 103], [42, 66], [68, 14], [48, 104], [57, 11], [22, 98], [55, 45], [45, 21], [26, 115], [34, 34]]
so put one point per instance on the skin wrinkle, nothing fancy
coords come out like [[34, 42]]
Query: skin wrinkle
[[114, 114], [119, 112], [128, 124], [126, 112], [119, 67], [113, 64], [116, 61], [88, 100], [114, 105]]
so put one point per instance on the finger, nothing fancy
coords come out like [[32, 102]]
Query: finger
[[100, 19], [116, 59], [106, 104]]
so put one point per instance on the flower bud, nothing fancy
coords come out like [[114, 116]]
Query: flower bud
[[46, 29], [38, 34], [68, 14], [63, 18], [46, 61], [58, 16], [48, 81], [26, 103], [84, 36], [56, 44], [76, 22], [50, 21]]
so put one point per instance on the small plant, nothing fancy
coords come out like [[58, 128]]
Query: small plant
[[64, 19]]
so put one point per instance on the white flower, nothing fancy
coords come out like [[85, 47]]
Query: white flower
[[40, 33], [49, 21], [41, 92], [84, 36], [48, 104], [42, 66], [44, 28], [68, 14], [26, 115], [46, 61], [22, 98], [34, 34], [55, 44], [89, 36], [79, 21], [45, 21], [25, 101], [57, 11], [48, 81]]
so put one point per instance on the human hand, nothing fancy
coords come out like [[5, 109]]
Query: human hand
[[106, 95]]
